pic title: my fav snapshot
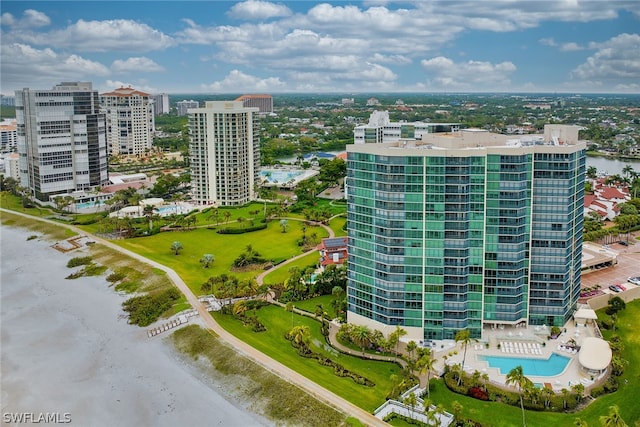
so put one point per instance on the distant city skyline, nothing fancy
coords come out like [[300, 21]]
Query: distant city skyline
[[373, 46]]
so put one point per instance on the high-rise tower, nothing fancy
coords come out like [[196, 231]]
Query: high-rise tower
[[466, 229], [61, 139], [224, 153], [130, 121]]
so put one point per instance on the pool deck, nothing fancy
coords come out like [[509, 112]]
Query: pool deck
[[531, 347]]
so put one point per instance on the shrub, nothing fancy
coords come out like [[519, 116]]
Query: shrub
[[115, 277], [145, 309], [78, 261], [478, 393]]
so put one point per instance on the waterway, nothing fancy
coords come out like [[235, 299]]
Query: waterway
[[609, 166]]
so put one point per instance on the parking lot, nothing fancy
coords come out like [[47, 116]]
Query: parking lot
[[628, 266]]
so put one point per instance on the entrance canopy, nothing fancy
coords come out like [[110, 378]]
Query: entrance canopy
[[595, 354]]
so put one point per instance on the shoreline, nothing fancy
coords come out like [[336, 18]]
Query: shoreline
[[67, 349]]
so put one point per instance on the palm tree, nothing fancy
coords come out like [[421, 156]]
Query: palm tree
[[284, 224], [206, 260], [290, 307], [176, 247], [411, 347], [395, 336], [362, 336], [613, 419], [148, 211], [516, 377], [456, 407], [579, 422], [426, 364], [411, 401], [578, 389], [239, 308], [226, 215], [300, 335], [215, 214], [463, 336]]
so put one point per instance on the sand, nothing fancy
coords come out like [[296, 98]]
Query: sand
[[66, 348]]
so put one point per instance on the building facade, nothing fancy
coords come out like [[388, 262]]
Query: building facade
[[264, 103], [130, 121], [465, 230], [381, 129], [161, 104], [62, 141], [182, 107], [8, 135], [224, 151]]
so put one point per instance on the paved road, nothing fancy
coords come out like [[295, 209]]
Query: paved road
[[272, 365]]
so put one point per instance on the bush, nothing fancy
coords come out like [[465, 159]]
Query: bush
[[231, 230], [145, 309], [78, 261], [478, 393], [115, 277]]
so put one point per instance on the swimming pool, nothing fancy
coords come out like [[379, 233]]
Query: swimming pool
[[285, 177], [280, 176], [87, 205], [550, 367]]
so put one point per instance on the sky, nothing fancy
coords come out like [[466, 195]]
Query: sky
[[257, 46]]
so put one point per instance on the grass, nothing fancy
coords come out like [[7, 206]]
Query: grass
[[269, 394], [281, 273], [310, 305], [270, 243], [272, 342]]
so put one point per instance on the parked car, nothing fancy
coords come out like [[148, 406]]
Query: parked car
[[623, 243], [615, 288], [634, 280]]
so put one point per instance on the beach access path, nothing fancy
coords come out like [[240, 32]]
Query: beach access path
[[268, 363]]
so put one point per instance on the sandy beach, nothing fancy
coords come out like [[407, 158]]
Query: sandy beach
[[67, 349]]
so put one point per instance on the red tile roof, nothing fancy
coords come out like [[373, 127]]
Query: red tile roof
[[125, 92]]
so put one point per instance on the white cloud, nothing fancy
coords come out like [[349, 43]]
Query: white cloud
[[30, 19], [102, 36], [7, 19], [134, 64], [237, 81], [257, 10], [616, 59], [24, 66], [391, 59], [570, 47], [471, 75]]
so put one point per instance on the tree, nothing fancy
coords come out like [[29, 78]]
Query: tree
[[565, 395], [226, 214], [284, 224], [578, 389], [411, 401], [426, 364], [239, 308], [592, 172], [206, 260], [290, 307], [362, 336], [463, 336], [579, 422], [615, 304], [300, 335], [613, 419], [411, 347], [149, 211], [516, 377], [215, 214], [176, 247], [395, 336]]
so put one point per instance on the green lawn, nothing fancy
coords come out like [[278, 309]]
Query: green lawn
[[311, 304], [271, 342], [271, 243], [281, 273]]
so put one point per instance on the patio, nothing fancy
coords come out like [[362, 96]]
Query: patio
[[527, 343]]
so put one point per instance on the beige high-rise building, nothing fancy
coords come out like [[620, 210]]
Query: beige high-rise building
[[130, 121], [224, 151]]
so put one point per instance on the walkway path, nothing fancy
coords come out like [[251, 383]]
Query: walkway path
[[270, 364]]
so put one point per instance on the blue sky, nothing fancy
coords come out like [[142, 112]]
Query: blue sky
[[567, 46]]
